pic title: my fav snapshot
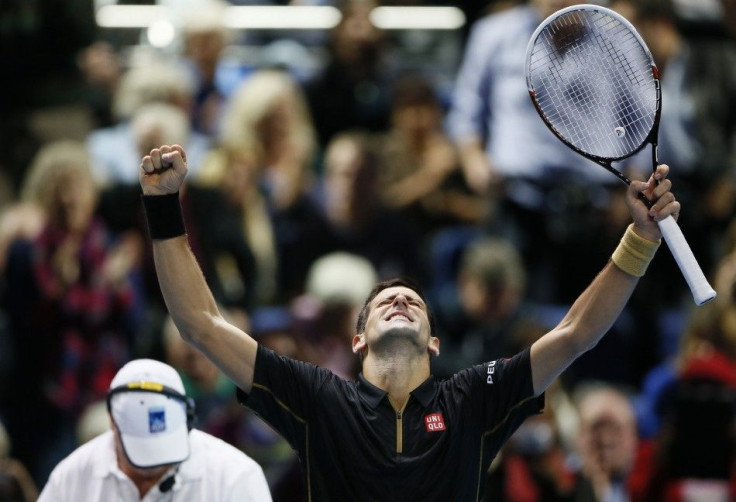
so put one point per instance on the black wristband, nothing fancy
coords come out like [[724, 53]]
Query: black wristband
[[163, 213]]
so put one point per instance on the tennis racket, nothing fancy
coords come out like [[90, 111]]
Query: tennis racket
[[594, 83]]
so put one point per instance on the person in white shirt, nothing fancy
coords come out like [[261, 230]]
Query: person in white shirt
[[152, 453]]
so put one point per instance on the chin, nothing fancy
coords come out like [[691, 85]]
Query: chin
[[397, 338]]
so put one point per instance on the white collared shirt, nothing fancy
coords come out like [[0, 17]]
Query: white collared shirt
[[214, 471]]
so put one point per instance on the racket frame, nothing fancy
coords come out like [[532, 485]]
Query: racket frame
[[701, 290], [652, 137]]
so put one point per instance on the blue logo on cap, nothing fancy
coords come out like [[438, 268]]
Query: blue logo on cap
[[156, 420]]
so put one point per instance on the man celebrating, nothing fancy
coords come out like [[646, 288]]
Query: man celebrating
[[395, 433]]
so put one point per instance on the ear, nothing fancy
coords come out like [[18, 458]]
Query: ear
[[434, 346], [359, 344]]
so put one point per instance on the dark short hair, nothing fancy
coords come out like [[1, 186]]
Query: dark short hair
[[393, 282]]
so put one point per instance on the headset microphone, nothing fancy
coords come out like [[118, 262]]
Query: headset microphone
[[167, 484]]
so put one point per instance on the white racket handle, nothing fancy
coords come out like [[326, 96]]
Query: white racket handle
[[701, 290]]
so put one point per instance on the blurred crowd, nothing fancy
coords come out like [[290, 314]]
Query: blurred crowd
[[306, 188]]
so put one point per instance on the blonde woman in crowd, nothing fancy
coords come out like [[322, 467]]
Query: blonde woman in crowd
[[230, 182], [268, 115], [268, 137], [73, 307]]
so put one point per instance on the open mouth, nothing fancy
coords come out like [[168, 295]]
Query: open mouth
[[399, 315]]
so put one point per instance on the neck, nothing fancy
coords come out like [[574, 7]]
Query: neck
[[396, 375]]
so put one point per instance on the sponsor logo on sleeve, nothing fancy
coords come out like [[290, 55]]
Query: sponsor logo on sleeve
[[434, 422]]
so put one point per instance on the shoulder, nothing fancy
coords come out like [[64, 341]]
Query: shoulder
[[269, 359], [490, 372], [93, 457]]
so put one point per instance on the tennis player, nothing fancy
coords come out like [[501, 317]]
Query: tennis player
[[395, 433]]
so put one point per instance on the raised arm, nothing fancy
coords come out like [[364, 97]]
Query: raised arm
[[184, 289], [598, 307]]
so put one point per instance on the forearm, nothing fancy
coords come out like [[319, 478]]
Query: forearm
[[412, 188], [185, 291], [598, 307]]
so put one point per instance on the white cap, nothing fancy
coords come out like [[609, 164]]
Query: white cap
[[153, 426]]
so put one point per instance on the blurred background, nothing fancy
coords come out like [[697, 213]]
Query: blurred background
[[332, 143]]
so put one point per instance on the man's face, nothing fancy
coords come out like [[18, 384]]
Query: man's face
[[397, 318], [137, 474], [608, 434]]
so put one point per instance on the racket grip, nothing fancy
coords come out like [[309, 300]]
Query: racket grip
[[673, 236]]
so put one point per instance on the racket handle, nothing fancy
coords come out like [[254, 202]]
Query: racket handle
[[701, 290]]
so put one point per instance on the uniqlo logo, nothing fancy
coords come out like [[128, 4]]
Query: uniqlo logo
[[434, 422]]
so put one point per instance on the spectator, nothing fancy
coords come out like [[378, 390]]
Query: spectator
[[73, 307], [686, 405], [237, 251], [268, 113], [152, 449], [483, 311], [607, 444], [268, 117], [531, 467], [204, 39], [101, 68], [140, 86], [120, 208], [326, 313], [545, 205], [357, 217], [149, 123], [707, 334], [420, 170], [352, 90], [16, 483]]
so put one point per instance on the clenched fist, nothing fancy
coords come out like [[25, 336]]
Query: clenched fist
[[163, 170]]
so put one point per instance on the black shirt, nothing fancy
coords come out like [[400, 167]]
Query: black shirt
[[355, 447]]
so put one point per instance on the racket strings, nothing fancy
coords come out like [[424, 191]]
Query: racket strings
[[593, 82]]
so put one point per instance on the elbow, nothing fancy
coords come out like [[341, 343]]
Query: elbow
[[578, 340], [586, 345], [196, 331]]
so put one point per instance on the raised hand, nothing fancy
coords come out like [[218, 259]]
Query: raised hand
[[162, 171], [656, 189]]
